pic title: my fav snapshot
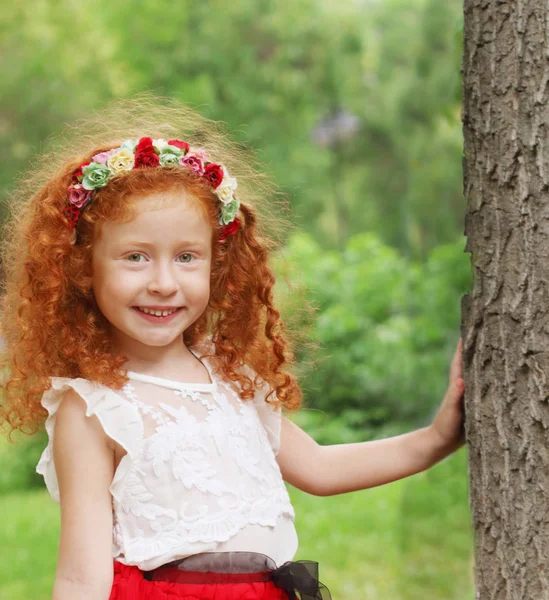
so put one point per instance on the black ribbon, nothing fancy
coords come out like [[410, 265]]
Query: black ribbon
[[300, 576], [294, 577]]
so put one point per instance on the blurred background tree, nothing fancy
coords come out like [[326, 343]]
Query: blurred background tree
[[354, 107], [280, 73]]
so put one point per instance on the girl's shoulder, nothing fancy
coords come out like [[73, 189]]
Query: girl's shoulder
[[119, 419], [109, 405], [95, 395]]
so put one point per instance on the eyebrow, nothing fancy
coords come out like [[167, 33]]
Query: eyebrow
[[131, 242]]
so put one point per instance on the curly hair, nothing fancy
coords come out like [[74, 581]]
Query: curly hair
[[50, 322]]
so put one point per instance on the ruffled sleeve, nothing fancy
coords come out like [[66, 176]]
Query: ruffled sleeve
[[120, 420]]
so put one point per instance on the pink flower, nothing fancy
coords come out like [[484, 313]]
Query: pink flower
[[200, 152], [78, 195], [102, 157], [193, 162]]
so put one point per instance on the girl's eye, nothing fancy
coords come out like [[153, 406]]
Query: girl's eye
[[131, 256], [136, 256]]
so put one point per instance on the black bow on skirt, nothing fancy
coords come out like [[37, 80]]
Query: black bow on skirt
[[300, 576], [294, 577]]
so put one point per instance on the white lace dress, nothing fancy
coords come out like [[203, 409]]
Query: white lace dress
[[199, 474]]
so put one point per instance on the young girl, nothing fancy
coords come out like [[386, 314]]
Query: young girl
[[138, 317]]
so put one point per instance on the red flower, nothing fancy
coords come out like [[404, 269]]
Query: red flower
[[179, 144], [78, 175], [72, 213], [145, 156], [145, 143], [229, 229], [145, 160], [214, 174]]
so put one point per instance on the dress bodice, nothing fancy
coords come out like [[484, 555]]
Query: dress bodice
[[199, 473]]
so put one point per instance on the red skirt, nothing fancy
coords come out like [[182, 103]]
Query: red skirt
[[129, 584], [220, 576]]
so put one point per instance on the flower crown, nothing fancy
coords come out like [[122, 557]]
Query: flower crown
[[147, 153]]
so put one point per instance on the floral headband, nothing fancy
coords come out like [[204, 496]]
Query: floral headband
[[147, 153]]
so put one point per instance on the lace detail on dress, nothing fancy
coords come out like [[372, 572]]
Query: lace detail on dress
[[199, 473], [206, 470]]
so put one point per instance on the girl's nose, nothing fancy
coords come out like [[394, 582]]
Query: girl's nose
[[163, 280]]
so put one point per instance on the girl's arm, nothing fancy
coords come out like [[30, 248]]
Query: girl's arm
[[340, 468], [329, 470], [84, 464]]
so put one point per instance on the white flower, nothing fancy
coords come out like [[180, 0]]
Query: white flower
[[160, 144], [122, 160], [226, 189], [129, 144]]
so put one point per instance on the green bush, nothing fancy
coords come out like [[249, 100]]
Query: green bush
[[385, 327], [19, 461]]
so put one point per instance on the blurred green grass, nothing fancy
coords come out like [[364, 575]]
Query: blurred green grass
[[408, 540]]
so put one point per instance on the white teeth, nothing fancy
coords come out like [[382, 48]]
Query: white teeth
[[157, 313]]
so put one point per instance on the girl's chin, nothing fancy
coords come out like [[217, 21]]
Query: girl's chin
[[158, 341]]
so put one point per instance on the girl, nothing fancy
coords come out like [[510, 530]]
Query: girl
[[138, 317]]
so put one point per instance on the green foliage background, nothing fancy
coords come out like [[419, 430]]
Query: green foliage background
[[277, 72], [354, 107]]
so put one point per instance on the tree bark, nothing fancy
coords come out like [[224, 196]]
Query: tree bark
[[505, 315]]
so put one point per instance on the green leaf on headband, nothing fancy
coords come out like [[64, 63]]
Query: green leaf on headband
[[170, 155], [228, 211], [96, 175]]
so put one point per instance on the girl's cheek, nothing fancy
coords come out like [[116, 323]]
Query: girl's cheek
[[126, 282], [199, 286], [195, 284]]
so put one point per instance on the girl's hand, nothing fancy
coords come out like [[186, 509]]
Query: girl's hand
[[448, 425]]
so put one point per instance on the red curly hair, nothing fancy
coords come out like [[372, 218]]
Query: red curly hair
[[50, 322]]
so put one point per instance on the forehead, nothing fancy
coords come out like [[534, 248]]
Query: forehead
[[163, 218]]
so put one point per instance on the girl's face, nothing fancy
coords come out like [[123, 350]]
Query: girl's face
[[159, 261]]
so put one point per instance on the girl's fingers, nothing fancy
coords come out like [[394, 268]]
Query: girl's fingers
[[459, 356], [456, 366]]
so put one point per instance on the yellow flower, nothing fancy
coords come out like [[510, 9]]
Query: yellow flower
[[121, 161], [227, 188]]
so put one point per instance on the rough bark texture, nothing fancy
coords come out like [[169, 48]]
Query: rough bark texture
[[505, 315]]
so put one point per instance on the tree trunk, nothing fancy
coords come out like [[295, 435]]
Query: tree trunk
[[505, 315]]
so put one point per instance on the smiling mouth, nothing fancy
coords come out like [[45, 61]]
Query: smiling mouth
[[157, 315]]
